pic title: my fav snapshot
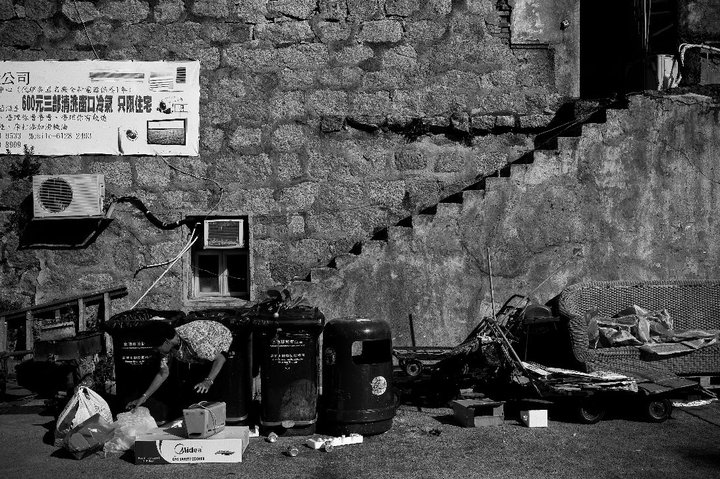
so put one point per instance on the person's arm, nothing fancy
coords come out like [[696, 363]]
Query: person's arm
[[157, 381], [204, 386]]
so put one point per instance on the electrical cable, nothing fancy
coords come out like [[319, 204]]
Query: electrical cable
[[185, 249], [87, 34]]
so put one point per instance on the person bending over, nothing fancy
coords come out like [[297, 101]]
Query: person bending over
[[199, 341]]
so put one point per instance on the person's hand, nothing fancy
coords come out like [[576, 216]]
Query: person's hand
[[203, 386], [137, 402]]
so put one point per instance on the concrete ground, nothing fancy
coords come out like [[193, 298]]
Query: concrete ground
[[421, 444]]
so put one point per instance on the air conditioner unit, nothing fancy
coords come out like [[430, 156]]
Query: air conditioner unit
[[68, 196], [224, 234]]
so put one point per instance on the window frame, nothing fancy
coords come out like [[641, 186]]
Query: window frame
[[192, 297]]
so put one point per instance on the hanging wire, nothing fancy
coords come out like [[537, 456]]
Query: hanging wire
[[87, 34], [172, 263]]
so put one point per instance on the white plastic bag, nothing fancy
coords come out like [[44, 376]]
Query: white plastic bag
[[127, 427], [84, 404]]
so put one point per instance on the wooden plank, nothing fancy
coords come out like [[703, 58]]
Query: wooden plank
[[89, 298], [82, 321], [29, 338], [3, 334]]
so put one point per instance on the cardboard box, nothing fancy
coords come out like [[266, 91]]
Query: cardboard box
[[478, 412], [204, 419], [171, 446], [534, 417]]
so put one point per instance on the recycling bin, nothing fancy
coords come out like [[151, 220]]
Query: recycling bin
[[136, 362], [233, 385], [288, 354], [357, 377]]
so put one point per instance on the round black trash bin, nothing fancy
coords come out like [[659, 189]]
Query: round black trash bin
[[357, 377], [288, 355], [233, 385], [135, 361]]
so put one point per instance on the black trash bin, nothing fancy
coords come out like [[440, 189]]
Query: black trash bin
[[136, 362], [358, 396], [233, 385], [288, 355]]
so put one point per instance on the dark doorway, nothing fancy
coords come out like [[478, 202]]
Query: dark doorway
[[619, 44]]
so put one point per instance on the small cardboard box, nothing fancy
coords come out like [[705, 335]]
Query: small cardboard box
[[204, 419], [534, 417], [171, 446], [478, 412]]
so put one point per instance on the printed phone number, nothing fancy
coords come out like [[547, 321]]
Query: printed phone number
[[14, 140]]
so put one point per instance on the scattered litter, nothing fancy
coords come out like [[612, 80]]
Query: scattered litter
[[328, 442], [272, 437], [292, 451]]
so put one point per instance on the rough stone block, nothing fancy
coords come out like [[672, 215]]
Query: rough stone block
[[380, 31], [19, 33], [97, 33], [333, 9], [401, 8], [352, 55], [505, 121], [299, 197], [211, 8], [296, 224], [244, 137], [251, 11], [152, 173], [53, 31], [7, 10], [211, 139], [295, 80], [534, 121], [256, 60], [334, 31], [370, 104], [287, 166], [440, 7], [126, 11], [40, 9], [424, 31], [340, 78], [288, 137], [401, 57], [328, 102], [310, 56], [300, 9], [168, 11], [287, 105], [318, 275], [285, 32], [366, 9], [410, 158], [117, 173]]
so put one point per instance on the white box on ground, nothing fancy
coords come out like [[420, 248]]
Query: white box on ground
[[171, 446], [534, 417]]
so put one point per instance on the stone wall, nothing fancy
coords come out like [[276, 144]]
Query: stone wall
[[322, 120], [634, 198]]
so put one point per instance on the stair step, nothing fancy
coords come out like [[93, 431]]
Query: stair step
[[615, 114], [517, 171], [343, 260], [472, 196], [592, 130], [318, 275], [373, 247], [568, 142], [448, 210], [399, 233]]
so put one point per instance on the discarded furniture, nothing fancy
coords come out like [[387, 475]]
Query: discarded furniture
[[691, 304]]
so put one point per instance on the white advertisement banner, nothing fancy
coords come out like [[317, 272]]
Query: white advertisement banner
[[100, 107]]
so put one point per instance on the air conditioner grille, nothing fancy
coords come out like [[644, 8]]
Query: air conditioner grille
[[55, 195], [223, 234]]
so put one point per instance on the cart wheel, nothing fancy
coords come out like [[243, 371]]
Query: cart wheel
[[590, 412], [413, 368], [658, 410]]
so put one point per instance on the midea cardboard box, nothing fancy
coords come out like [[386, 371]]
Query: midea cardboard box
[[171, 446]]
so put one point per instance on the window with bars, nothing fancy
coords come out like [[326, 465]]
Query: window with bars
[[220, 260]]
